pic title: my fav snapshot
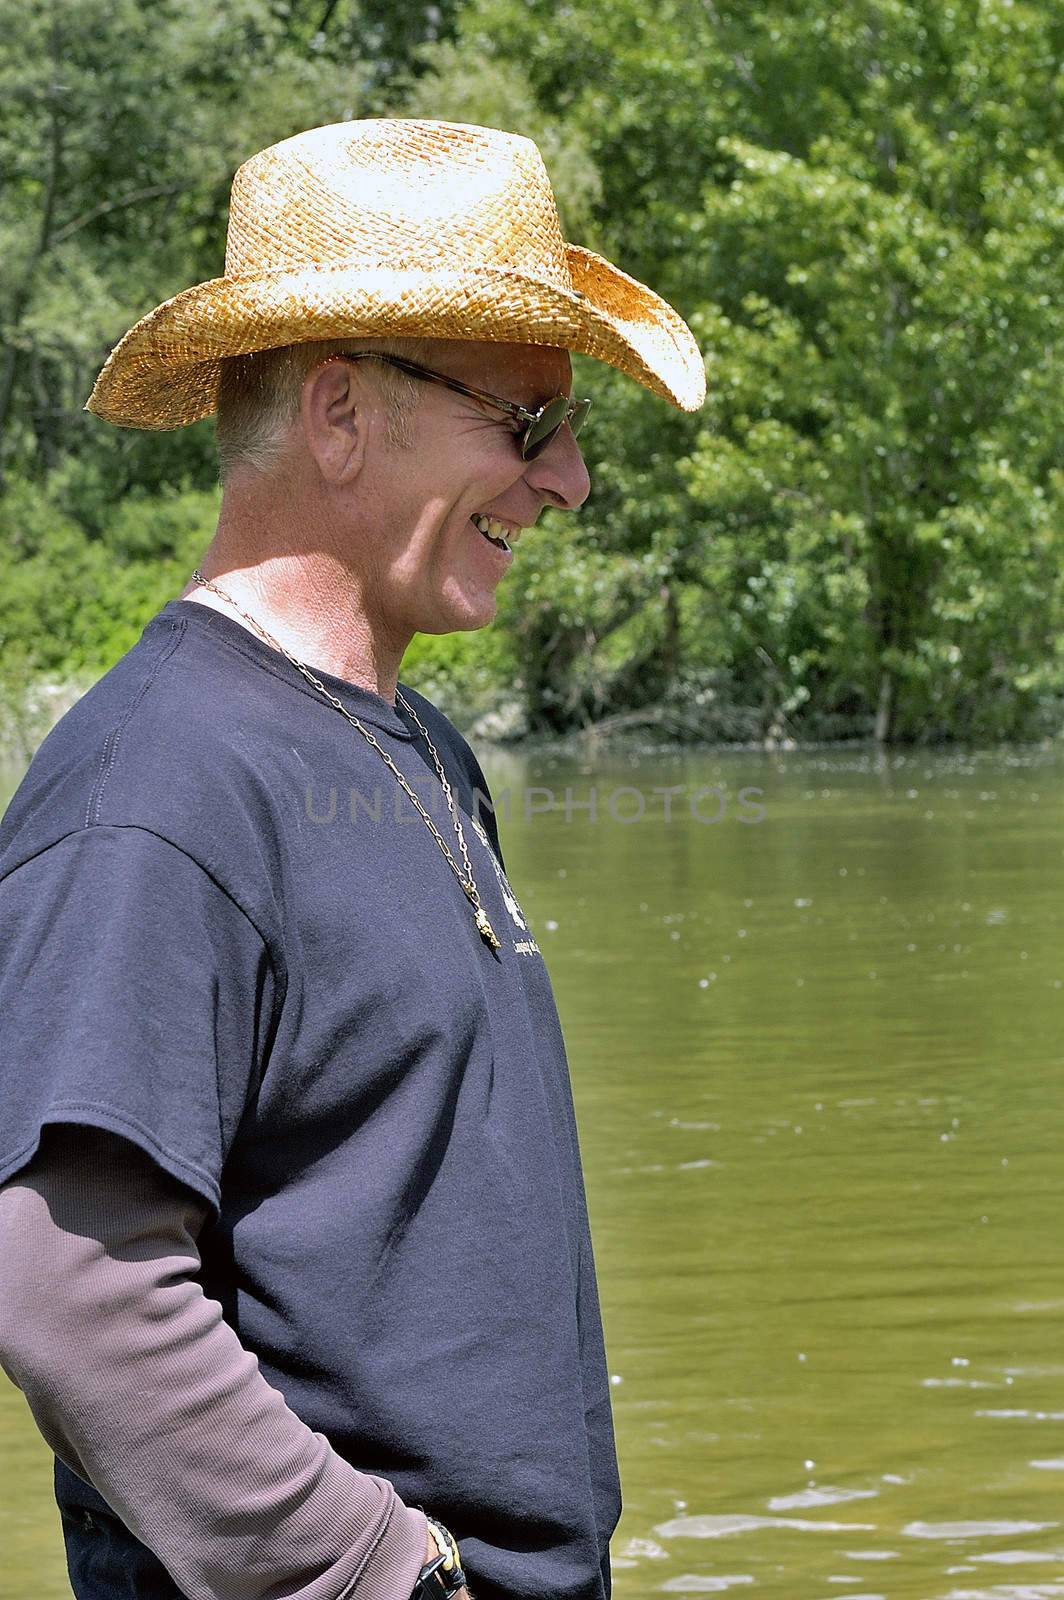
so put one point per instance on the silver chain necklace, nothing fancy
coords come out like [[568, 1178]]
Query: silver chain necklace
[[465, 878]]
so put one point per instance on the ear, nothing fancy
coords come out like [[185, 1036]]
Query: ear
[[335, 411]]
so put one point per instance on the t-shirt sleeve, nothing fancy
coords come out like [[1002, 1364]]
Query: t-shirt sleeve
[[135, 996]]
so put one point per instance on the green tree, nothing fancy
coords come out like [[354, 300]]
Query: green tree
[[120, 128], [859, 209]]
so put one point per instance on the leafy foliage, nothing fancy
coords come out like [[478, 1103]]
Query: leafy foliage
[[860, 209], [858, 206]]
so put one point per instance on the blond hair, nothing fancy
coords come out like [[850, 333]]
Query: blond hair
[[259, 394]]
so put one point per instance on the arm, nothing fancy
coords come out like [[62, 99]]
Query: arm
[[142, 1389]]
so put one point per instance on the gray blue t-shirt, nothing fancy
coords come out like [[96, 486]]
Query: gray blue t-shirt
[[226, 934]]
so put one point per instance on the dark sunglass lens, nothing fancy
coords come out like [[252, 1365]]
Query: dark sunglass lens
[[530, 452], [579, 416], [542, 431]]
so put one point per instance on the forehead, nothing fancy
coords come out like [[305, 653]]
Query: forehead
[[515, 371]]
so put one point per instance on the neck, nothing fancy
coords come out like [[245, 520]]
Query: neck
[[307, 601]]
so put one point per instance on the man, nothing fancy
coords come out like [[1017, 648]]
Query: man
[[296, 1273]]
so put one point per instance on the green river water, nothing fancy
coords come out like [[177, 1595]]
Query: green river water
[[817, 1065]]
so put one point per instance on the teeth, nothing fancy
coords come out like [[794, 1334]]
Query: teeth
[[497, 530]]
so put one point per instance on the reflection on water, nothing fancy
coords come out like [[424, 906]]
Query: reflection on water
[[32, 1566], [817, 1063]]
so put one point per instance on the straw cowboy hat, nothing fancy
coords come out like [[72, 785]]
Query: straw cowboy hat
[[393, 228]]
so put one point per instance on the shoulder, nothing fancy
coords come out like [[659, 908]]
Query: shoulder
[[159, 743], [446, 737], [458, 758], [440, 726]]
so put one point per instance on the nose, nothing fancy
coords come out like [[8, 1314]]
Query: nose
[[558, 474]]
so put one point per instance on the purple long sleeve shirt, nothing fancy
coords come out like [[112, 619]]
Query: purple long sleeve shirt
[[141, 1387]]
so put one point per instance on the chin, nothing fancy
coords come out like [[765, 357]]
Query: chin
[[460, 614]]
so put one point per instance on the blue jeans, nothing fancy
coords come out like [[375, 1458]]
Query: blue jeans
[[104, 1560]]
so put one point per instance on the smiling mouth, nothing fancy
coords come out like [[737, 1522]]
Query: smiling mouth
[[497, 533]]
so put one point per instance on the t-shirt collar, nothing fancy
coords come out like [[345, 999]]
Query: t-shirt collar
[[362, 703]]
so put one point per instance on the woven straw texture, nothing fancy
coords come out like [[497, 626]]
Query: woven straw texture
[[390, 228]]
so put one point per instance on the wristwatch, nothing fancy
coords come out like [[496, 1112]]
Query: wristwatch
[[441, 1577]]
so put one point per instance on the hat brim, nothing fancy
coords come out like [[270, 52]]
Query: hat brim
[[164, 373]]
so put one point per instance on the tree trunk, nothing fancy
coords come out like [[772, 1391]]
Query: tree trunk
[[670, 641], [885, 709], [24, 292]]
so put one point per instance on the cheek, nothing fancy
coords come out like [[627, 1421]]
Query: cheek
[[499, 474], [482, 480]]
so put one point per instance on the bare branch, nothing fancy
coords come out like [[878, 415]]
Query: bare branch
[[154, 192], [327, 15], [24, 292], [740, 61]]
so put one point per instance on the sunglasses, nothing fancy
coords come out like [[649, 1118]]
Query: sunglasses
[[540, 427]]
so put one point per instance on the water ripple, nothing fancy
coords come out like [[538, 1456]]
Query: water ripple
[[719, 1527], [1029, 1416], [704, 1585], [1009, 1591], [1016, 1558], [972, 1530], [826, 1496]]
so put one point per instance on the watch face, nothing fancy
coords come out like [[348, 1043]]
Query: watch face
[[436, 1584], [442, 1576]]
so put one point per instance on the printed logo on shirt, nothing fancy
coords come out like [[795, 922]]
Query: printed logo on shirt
[[523, 947]]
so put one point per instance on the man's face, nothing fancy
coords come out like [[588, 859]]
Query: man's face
[[433, 571]]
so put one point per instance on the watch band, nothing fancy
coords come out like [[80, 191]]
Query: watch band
[[442, 1577]]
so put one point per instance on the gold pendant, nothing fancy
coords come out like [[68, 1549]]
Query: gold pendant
[[484, 927]]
